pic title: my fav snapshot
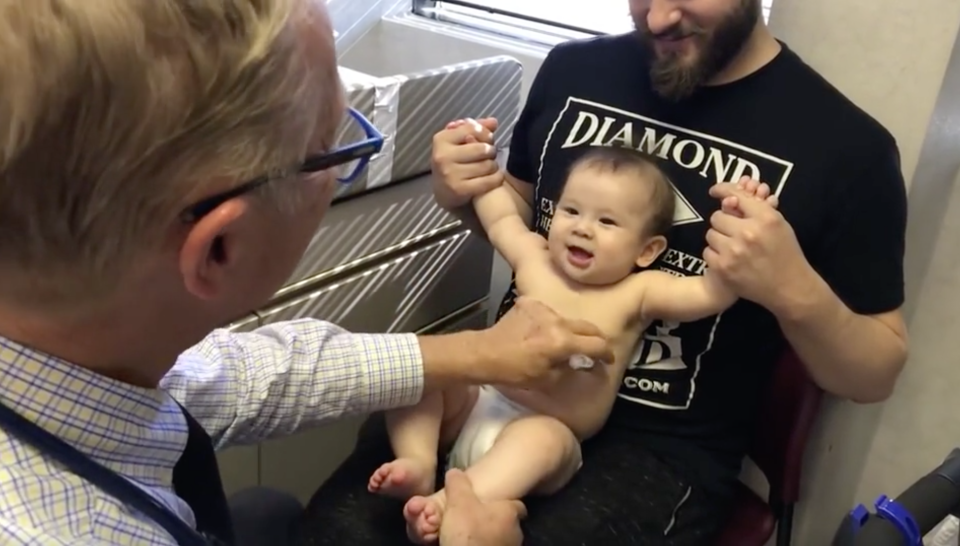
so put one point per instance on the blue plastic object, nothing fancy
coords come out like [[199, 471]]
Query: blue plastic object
[[891, 511]]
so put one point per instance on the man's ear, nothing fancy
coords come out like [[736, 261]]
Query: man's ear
[[210, 250], [651, 251]]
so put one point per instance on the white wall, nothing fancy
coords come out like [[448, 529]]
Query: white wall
[[899, 61]]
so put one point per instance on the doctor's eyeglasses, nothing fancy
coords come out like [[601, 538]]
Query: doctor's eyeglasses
[[349, 160]]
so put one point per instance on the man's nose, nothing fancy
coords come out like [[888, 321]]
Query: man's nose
[[662, 15]]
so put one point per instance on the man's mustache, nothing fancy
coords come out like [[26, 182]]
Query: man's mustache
[[676, 32]]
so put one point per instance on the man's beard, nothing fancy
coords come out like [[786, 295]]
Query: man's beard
[[671, 77]]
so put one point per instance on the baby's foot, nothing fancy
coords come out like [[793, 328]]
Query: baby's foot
[[403, 478], [424, 515]]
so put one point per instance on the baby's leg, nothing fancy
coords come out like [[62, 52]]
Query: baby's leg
[[415, 434], [532, 455]]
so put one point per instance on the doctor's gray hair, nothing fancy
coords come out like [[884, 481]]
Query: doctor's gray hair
[[116, 114]]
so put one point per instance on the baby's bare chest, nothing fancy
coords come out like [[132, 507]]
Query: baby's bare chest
[[605, 307]]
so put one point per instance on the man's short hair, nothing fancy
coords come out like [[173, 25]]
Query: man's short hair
[[617, 159], [115, 114]]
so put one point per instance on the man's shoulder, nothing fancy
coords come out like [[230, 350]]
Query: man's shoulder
[[593, 44], [826, 105], [613, 47], [75, 509]]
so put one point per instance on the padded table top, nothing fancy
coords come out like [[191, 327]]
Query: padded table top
[[605, 504]]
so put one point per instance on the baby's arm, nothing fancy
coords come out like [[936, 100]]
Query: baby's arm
[[682, 299], [686, 299], [500, 212]]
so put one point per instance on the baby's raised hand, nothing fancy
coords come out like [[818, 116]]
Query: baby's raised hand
[[485, 127], [759, 190]]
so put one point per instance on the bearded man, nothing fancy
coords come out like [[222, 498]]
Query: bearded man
[[704, 86]]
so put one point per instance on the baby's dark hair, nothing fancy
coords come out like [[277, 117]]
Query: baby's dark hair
[[615, 159]]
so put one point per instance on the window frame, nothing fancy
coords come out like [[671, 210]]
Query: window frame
[[509, 25], [513, 26]]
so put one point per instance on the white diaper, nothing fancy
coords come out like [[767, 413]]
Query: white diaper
[[492, 412]]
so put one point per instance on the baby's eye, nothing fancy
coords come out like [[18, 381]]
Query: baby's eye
[[569, 210], [608, 222]]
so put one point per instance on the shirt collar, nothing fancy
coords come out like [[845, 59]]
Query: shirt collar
[[140, 433]]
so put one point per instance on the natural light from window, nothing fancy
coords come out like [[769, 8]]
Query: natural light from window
[[606, 16]]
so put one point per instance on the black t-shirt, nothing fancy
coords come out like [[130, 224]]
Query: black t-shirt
[[693, 391]]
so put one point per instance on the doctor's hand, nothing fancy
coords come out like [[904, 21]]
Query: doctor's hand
[[467, 521], [532, 344], [464, 162], [755, 252]]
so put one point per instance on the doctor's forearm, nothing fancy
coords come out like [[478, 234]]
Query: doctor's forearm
[[854, 356], [454, 359]]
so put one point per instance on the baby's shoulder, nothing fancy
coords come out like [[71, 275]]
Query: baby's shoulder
[[643, 280], [618, 301], [539, 282], [626, 297]]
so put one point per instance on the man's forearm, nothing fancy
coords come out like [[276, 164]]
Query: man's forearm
[[247, 387], [853, 356], [452, 359]]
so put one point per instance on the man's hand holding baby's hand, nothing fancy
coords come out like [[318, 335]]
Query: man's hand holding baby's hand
[[755, 252], [759, 190], [464, 162]]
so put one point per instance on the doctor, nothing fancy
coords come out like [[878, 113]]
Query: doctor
[[163, 166]]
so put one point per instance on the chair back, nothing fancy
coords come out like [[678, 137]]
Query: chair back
[[788, 412]]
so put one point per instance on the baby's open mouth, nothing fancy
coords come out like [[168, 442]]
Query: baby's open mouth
[[579, 257]]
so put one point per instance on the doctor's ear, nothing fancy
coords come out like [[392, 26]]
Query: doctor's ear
[[212, 251]]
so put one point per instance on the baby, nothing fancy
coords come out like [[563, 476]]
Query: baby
[[609, 227]]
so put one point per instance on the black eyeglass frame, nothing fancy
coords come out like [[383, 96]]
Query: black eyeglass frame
[[361, 152]]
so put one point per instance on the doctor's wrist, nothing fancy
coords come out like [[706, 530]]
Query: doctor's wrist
[[454, 359]]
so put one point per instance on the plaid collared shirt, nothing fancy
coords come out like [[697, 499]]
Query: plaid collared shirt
[[242, 387]]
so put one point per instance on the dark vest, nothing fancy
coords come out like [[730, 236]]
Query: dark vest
[[196, 480]]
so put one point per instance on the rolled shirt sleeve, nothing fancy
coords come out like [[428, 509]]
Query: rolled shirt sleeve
[[248, 387]]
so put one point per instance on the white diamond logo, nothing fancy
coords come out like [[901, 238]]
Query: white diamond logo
[[684, 213]]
